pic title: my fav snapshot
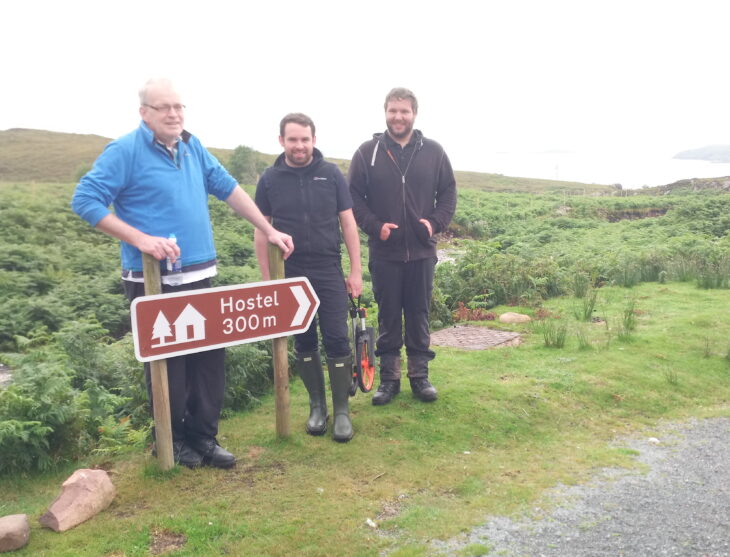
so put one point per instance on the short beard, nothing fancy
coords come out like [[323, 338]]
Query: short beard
[[403, 135]]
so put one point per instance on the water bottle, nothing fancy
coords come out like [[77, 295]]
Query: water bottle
[[174, 270]]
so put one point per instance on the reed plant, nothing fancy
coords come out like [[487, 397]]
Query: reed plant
[[628, 321], [583, 341], [583, 311], [553, 332], [580, 284]]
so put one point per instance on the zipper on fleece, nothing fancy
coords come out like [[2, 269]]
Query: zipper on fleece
[[403, 194], [307, 226]]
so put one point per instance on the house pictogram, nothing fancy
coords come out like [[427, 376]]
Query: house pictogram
[[189, 326]]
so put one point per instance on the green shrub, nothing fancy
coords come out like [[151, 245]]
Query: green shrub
[[129, 380], [118, 437], [45, 418], [23, 444], [249, 375]]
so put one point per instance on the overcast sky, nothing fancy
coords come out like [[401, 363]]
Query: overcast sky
[[490, 76]]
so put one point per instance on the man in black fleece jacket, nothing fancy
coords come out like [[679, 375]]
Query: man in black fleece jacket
[[403, 192], [308, 197]]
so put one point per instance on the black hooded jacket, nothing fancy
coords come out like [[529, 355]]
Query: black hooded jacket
[[306, 203], [421, 187]]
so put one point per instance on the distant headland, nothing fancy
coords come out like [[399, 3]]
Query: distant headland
[[710, 153]]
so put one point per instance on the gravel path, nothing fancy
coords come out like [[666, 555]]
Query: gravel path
[[680, 507]]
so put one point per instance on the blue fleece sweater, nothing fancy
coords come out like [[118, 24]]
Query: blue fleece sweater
[[155, 194]]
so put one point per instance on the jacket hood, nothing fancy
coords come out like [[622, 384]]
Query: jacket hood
[[379, 138], [417, 135]]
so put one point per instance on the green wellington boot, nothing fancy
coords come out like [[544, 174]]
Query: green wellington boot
[[340, 371], [309, 368]]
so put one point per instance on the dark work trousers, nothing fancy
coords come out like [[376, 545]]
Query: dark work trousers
[[403, 293], [328, 282], [196, 382]]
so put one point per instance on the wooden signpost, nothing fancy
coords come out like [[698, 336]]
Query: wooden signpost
[[179, 323], [158, 374], [280, 354]]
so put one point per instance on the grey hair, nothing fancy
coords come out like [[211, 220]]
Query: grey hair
[[150, 84]]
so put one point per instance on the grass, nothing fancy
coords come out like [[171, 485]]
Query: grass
[[509, 423]]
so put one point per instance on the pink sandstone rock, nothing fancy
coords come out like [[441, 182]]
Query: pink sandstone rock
[[14, 532], [84, 494], [512, 317]]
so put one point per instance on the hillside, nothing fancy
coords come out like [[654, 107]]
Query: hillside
[[690, 185], [44, 156], [508, 184]]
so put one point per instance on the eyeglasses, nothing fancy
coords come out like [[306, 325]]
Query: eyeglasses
[[166, 108]]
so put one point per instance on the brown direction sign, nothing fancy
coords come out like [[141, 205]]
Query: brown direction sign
[[167, 325]]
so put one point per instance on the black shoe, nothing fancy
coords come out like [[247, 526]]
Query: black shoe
[[423, 390], [183, 455], [212, 453], [386, 391]]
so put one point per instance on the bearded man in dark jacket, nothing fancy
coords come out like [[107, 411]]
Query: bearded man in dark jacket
[[308, 197], [403, 192]]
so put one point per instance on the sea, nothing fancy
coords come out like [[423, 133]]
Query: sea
[[631, 170]]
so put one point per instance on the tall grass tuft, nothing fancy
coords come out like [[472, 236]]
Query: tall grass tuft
[[707, 352], [584, 310], [671, 376], [553, 333], [629, 315], [628, 321], [609, 333], [580, 283], [714, 273], [683, 268], [583, 342]]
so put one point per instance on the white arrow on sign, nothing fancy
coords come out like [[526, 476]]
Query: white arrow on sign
[[304, 305]]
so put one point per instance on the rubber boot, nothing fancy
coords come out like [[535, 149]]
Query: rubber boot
[[340, 371], [309, 368]]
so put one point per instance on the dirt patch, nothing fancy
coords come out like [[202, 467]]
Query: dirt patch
[[391, 509], [247, 473], [164, 541], [254, 452], [469, 337]]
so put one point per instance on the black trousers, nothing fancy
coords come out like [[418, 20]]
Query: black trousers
[[196, 382], [328, 282], [403, 293]]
